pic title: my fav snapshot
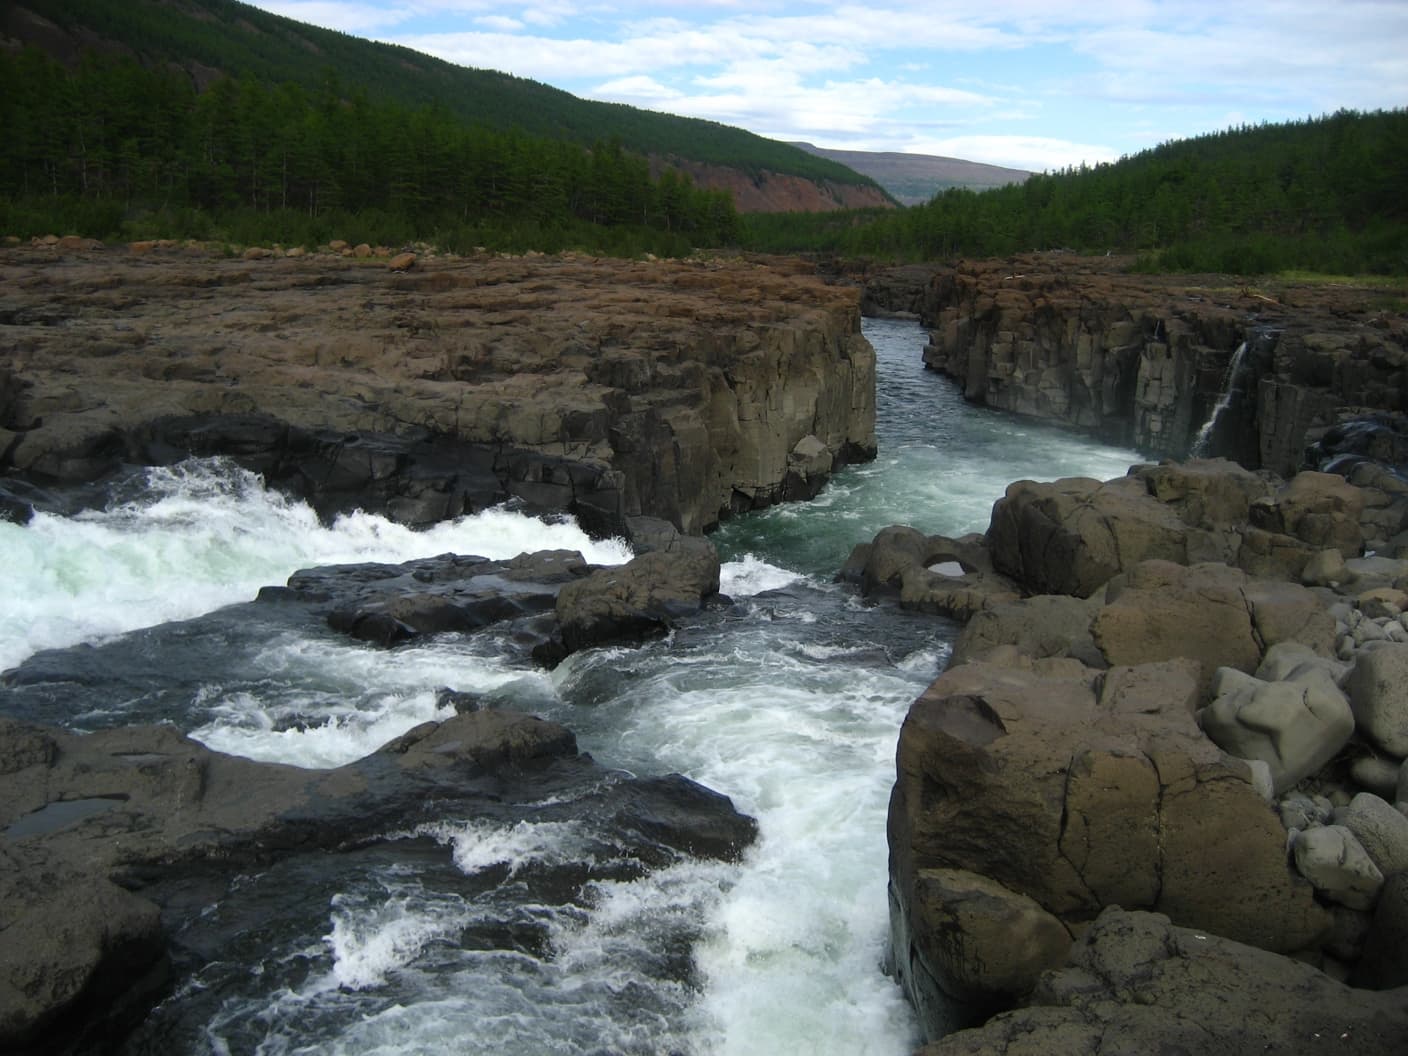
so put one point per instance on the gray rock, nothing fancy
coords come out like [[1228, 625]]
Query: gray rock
[[1295, 727], [1377, 773], [1334, 860], [1378, 693], [1286, 660], [1325, 569], [1135, 985], [1300, 811], [1381, 829]]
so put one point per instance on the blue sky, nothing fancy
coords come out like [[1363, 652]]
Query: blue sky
[[1035, 84]]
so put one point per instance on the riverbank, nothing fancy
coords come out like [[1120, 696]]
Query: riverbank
[[434, 386]]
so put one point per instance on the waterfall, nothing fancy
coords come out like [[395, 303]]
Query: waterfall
[[1203, 441]]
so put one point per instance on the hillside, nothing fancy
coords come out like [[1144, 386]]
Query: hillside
[[211, 38], [915, 178], [1323, 194]]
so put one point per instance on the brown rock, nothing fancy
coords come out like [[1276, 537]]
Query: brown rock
[[1072, 536], [361, 251], [614, 388], [401, 262], [1080, 792], [1160, 611], [1134, 983]]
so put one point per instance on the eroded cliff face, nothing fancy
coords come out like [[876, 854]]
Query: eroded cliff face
[[776, 192], [1143, 360], [682, 390]]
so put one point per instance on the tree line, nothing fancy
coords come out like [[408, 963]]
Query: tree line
[[1325, 193], [113, 148], [233, 36]]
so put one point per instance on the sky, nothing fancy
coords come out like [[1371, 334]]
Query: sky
[[1032, 84]]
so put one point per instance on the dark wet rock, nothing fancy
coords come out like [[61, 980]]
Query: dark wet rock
[[1134, 983], [639, 599], [179, 821]]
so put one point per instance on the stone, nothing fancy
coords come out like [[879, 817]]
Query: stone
[[1289, 659], [1134, 984], [1378, 693], [682, 400], [639, 599], [1380, 829], [1383, 962], [401, 262], [1323, 509], [83, 957], [1300, 811], [1078, 790], [84, 943], [1040, 626], [1326, 568], [1377, 773], [1072, 536], [1160, 610], [1332, 859], [1294, 726], [989, 944]]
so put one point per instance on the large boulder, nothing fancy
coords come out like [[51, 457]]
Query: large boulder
[[1209, 612], [1136, 983], [1295, 726], [639, 599], [1333, 859], [1378, 693], [1077, 790], [931, 573], [1073, 535], [1038, 627]]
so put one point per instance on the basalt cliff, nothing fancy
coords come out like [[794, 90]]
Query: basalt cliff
[[430, 387], [1167, 364]]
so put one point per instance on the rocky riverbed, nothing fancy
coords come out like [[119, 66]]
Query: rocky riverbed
[[1157, 795]]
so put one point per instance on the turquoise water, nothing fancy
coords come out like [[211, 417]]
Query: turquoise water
[[942, 464]]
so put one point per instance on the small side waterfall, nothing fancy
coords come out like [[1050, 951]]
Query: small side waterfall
[[1203, 441]]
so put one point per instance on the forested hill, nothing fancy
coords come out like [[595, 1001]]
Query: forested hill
[[208, 38], [1326, 193]]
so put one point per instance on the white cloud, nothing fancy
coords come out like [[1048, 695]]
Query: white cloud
[[499, 23], [638, 91], [1032, 83], [1037, 153]]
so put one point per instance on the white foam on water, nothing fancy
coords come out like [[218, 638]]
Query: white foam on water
[[480, 845], [207, 534], [752, 575], [370, 940], [326, 703], [793, 944]]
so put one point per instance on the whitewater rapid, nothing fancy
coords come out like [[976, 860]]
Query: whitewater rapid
[[789, 702]]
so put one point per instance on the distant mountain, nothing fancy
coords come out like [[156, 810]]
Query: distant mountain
[[208, 39], [915, 178]]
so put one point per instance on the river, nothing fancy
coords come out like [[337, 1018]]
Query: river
[[789, 701]]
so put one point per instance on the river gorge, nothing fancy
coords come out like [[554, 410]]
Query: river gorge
[[567, 893]]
